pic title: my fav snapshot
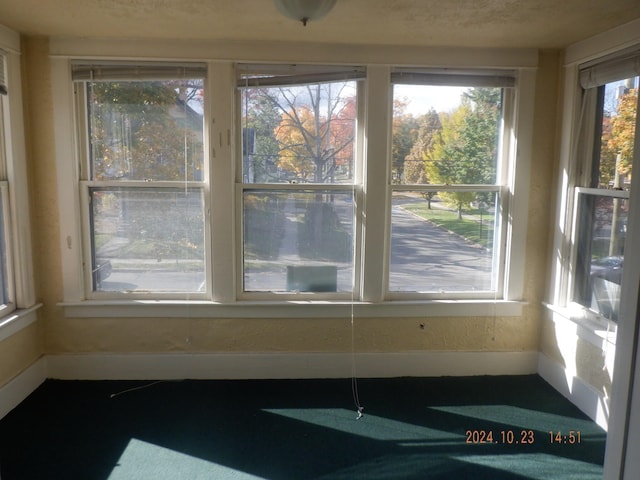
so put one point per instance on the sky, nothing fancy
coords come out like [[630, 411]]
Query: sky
[[422, 98]]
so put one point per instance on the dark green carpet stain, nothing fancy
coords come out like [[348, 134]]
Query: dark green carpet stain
[[297, 429]]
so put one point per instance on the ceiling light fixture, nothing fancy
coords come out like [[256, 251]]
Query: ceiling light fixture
[[304, 10]]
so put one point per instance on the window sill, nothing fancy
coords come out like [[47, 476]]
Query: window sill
[[289, 309], [17, 320], [590, 327]]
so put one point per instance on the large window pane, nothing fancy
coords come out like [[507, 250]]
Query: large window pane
[[601, 236], [443, 241], [149, 240], [299, 133], [298, 241], [146, 130]]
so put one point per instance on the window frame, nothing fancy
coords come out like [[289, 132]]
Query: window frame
[[138, 71], [14, 192], [507, 80], [283, 75], [589, 86], [7, 275]]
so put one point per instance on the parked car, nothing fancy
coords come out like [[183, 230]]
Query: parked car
[[609, 268]]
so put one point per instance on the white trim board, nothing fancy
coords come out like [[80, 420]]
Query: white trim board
[[20, 387], [288, 365], [261, 366], [591, 401]]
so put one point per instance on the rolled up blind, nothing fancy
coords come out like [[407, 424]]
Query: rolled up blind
[[87, 72], [268, 75], [607, 70], [453, 78]]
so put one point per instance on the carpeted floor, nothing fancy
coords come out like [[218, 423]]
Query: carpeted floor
[[412, 428]]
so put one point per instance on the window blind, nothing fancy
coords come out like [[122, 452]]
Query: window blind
[[267, 75], [453, 78], [607, 70], [86, 72]]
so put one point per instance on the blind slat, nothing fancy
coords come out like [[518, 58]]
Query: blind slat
[[125, 72]]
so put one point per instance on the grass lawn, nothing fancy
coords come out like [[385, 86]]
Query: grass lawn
[[468, 227]]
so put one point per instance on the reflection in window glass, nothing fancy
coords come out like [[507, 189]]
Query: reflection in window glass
[[147, 240], [436, 248], [601, 236], [145, 131], [298, 241]]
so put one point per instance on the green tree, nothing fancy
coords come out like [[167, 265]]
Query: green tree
[[466, 150]]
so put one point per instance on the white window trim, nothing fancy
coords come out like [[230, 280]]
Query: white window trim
[[218, 130], [15, 193]]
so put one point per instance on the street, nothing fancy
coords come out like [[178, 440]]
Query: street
[[424, 258]]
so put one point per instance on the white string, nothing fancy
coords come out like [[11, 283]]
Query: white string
[[354, 378], [136, 388]]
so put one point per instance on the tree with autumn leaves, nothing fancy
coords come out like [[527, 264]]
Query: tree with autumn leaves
[[457, 147], [617, 141], [312, 130]]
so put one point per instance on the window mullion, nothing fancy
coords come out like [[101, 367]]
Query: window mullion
[[220, 149], [376, 219]]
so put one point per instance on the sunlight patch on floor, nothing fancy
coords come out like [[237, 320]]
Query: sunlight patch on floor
[[521, 418], [369, 426], [537, 466], [146, 461]]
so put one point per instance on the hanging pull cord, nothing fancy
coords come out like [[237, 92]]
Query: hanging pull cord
[[354, 378]]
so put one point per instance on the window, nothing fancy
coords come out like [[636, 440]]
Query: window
[[607, 157], [299, 178], [144, 178], [7, 300], [448, 173], [309, 176]]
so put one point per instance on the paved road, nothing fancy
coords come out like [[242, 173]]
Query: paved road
[[424, 257]]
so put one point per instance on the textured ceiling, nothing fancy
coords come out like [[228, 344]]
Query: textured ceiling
[[479, 23]]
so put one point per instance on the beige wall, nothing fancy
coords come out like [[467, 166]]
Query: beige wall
[[20, 351], [330, 335], [74, 335]]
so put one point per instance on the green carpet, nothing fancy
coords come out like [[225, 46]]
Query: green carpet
[[412, 428]]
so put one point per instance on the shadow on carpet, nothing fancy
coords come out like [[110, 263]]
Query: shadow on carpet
[[507, 427]]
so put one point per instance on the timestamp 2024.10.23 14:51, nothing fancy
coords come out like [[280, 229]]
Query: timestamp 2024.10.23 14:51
[[522, 437]]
